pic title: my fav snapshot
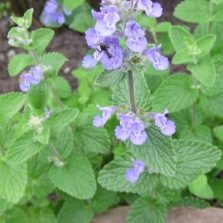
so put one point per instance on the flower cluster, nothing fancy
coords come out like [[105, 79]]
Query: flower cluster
[[131, 127], [54, 14], [114, 23], [32, 77], [132, 174]]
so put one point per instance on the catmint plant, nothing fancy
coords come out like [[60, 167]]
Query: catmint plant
[[149, 163], [136, 131]]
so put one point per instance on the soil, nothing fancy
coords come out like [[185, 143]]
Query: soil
[[175, 215], [67, 42]]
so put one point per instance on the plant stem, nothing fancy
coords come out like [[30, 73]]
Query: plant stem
[[211, 9], [2, 151], [194, 108], [154, 37], [194, 115], [131, 91], [55, 152], [56, 97]]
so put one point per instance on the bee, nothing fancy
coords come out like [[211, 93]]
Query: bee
[[104, 48]]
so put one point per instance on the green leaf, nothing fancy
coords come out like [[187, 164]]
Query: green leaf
[[89, 139], [103, 199], [38, 95], [4, 205], [141, 91], [13, 180], [18, 63], [157, 152], [64, 143], [109, 78], [23, 148], [62, 87], [76, 21], [213, 105], [71, 5], [53, 61], [163, 27], [148, 211], [217, 88], [205, 43], [182, 56], [201, 188], [192, 202], [16, 215], [193, 11], [217, 2], [58, 121], [41, 215], [75, 211], [41, 39], [204, 71], [218, 132], [25, 21], [217, 15], [175, 93], [75, 177], [202, 133], [112, 177], [178, 36], [193, 159], [10, 103], [84, 91], [40, 187], [216, 185]]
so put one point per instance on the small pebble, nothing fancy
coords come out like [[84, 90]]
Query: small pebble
[[2, 57], [67, 70], [11, 53]]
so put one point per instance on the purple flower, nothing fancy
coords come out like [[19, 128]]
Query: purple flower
[[131, 128], [54, 14], [132, 174], [93, 38], [113, 56], [24, 82], [138, 134], [100, 120], [159, 61], [106, 20], [89, 62], [32, 77], [133, 29], [137, 45], [136, 40], [167, 127], [108, 52], [51, 6], [36, 74], [151, 9]]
